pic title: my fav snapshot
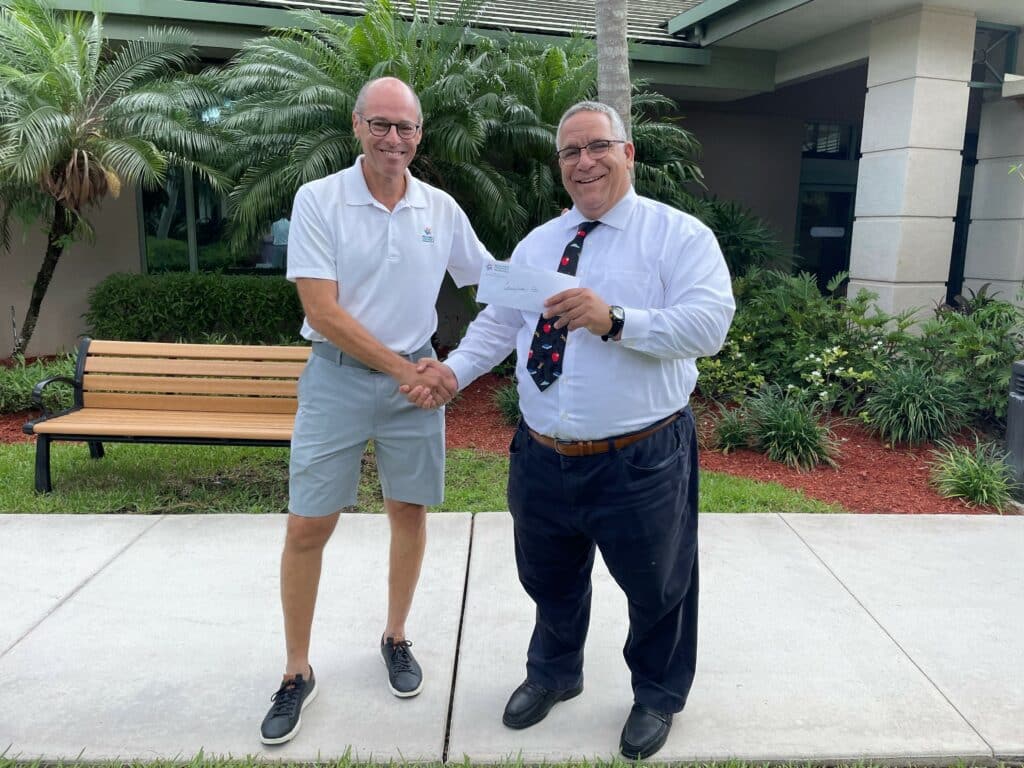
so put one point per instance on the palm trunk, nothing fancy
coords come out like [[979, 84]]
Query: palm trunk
[[613, 86], [61, 226]]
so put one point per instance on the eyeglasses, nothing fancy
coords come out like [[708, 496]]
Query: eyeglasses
[[380, 128], [596, 150]]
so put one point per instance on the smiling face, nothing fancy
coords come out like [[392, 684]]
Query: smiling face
[[595, 186], [386, 157]]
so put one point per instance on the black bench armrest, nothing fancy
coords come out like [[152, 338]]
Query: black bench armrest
[[37, 393]]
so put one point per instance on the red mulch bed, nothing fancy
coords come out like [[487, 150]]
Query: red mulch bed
[[871, 476]]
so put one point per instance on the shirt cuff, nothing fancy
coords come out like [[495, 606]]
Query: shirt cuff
[[462, 368], [637, 324]]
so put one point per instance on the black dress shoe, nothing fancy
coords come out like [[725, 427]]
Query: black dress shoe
[[645, 732], [530, 703]]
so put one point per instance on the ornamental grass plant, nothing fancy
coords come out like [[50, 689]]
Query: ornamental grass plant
[[911, 404], [979, 474], [787, 427]]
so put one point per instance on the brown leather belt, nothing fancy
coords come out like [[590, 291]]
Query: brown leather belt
[[594, 447]]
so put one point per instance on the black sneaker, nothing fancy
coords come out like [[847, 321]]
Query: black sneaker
[[405, 678], [285, 717]]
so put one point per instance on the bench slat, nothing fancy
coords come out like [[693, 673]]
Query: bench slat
[[204, 403], [189, 386], [257, 370], [201, 351], [179, 424]]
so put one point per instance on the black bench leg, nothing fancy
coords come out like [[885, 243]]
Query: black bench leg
[[43, 484], [95, 449]]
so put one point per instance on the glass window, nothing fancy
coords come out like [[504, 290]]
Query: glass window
[[166, 227], [828, 140]]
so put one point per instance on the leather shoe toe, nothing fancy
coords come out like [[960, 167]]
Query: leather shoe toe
[[645, 732], [530, 703]]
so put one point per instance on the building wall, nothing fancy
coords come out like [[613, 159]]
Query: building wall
[[752, 147], [81, 267]]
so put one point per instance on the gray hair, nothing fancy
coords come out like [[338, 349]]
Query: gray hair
[[618, 128], [360, 105]]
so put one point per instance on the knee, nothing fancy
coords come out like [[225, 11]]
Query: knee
[[306, 535]]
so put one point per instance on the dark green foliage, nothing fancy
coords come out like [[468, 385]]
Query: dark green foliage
[[981, 474], [17, 381], [786, 332], [195, 308], [911, 404], [732, 429], [787, 427], [506, 398], [973, 351], [745, 239]]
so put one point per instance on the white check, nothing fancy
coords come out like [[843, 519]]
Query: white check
[[521, 287]]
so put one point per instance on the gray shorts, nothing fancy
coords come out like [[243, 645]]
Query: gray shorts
[[342, 406]]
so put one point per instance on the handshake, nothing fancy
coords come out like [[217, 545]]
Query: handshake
[[428, 384]]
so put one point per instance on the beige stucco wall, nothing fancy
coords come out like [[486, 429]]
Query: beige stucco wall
[[82, 266]]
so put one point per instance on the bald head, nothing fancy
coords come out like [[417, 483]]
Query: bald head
[[391, 90]]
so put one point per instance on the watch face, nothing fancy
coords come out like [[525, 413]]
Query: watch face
[[618, 313]]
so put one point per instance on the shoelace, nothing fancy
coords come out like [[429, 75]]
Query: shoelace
[[287, 698], [401, 660]]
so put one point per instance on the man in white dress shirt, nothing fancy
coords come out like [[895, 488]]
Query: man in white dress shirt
[[606, 454]]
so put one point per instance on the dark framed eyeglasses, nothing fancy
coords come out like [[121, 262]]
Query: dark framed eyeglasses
[[596, 149], [380, 128]]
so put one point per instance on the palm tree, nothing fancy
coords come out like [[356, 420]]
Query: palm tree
[[291, 98], [79, 122], [613, 83], [491, 109]]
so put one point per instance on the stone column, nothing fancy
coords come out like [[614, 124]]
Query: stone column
[[915, 115], [995, 241]]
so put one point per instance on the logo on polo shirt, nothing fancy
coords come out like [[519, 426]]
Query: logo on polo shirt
[[427, 236]]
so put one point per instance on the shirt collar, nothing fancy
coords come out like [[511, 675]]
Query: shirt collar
[[617, 217], [357, 193]]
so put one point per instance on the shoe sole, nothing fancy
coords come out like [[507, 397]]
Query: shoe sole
[[520, 724], [298, 723], [398, 693]]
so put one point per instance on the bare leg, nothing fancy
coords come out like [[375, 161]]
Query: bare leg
[[300, 580], [408, 542]]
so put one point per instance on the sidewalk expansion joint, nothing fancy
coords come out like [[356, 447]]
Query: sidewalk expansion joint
[[458, 642], [87, 580], [886, 632]]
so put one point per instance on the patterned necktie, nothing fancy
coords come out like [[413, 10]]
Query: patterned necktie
[[545, 361]]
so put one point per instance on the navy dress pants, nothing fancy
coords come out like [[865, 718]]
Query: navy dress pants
[[639, 506]]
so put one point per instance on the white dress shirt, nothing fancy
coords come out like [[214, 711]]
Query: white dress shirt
[[666, 270], [388, 264]]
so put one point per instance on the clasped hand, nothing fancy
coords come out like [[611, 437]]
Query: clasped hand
[[430, 385]]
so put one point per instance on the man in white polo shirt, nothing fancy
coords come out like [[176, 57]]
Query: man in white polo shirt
[[368, 248]]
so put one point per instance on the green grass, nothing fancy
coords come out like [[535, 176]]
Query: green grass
[[161, 479]]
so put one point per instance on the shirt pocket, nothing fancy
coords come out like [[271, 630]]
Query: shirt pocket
[[625, 287]]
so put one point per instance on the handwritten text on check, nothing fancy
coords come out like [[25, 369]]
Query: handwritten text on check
[[520, 287]]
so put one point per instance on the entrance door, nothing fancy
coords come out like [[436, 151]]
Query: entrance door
[[824, 232]]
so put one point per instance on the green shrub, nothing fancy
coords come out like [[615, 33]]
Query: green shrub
[[506, 398], [973, 350], [195, 307], [746, 240], [16, 384], [910, 404], [980, 475], [786, 332], [786, 426], [732, 429]]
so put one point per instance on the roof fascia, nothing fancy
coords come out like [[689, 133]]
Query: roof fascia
[[735, 17]]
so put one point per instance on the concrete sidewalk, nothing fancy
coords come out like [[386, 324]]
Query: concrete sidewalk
[[822, 638]]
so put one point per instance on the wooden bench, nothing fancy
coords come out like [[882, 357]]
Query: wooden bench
[[199, 394]]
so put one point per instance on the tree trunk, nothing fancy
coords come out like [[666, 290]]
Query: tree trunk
[[62, 226], [613, 85]]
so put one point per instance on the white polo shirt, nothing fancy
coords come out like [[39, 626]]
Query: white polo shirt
[[388, 264]]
